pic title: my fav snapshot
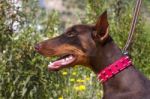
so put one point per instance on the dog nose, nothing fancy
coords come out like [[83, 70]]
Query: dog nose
[[37, 47]]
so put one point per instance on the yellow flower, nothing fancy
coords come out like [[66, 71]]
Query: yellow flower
[[64, 73], [74, 73], [87, 78], [80, 88], [80, 80], [72, 79], [60, 97]]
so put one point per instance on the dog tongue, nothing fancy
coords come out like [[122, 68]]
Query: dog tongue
[[61, 62]]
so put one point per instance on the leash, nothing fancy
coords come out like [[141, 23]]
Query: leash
[[134, 20]]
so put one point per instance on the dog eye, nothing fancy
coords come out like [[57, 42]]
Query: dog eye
[[71, 34]]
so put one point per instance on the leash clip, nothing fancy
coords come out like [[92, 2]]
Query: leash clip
[[126, 53]]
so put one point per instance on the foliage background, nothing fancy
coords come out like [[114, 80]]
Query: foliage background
[[23, 72]]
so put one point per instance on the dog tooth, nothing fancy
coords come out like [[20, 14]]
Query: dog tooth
[[67, 59], [50, 63]]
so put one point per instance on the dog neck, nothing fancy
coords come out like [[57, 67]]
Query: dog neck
[[108, 54], [105, 55]]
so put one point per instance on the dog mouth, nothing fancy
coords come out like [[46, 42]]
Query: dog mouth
[[61, 61]]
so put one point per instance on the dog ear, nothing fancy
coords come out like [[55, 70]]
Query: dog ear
[[101, 28]]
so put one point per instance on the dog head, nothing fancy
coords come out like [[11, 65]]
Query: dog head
[[77, 45]]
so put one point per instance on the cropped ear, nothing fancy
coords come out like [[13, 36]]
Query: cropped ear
[[101, 28]]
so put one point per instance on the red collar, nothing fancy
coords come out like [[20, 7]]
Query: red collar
[[114, 69]]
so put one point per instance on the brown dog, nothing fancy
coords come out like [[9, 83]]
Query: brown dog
[[92, 46]]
